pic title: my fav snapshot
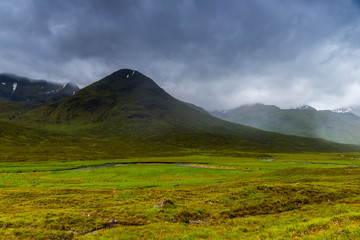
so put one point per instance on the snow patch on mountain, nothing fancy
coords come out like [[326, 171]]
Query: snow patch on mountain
[[343, 110], [14, 87], [306, 107]]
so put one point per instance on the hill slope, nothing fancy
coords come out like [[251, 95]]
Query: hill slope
[[9, 110], [305, 121], [128, 105]]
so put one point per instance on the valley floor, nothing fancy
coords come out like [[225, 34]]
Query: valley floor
[[283, 196]]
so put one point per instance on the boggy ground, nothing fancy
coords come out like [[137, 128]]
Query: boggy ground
[[279, 197]]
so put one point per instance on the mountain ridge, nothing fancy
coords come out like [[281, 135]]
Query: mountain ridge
[[21, 89], [351, 109]]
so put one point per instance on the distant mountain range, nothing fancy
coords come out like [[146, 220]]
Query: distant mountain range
[[341, 125], [21, 89], [129, 106]]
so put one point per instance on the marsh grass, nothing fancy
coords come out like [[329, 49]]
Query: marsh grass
[[275, 199]]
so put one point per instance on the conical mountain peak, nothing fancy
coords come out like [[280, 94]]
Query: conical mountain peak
[[126, 80], [124, 74], [124, 94]]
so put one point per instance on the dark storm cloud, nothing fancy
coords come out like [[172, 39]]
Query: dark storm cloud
[[218, 54]]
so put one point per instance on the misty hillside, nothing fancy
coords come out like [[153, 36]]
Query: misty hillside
[[304, 121]]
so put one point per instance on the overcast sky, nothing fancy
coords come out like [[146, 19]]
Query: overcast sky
[[218, 54]]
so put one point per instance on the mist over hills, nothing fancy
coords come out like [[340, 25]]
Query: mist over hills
[[352, 109], [129, 106], [21, 89], [306, 121]]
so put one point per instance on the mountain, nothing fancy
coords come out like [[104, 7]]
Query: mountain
[[305, 121], [21, 89], [128, 106], [352, 109], [123, 98]]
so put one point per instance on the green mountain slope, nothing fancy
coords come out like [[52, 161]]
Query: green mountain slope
[[128, 106], [306, 122], [19, 143], [9, 110], [10, 133]]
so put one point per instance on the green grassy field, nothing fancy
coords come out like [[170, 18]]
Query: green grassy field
[[294, 196]]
